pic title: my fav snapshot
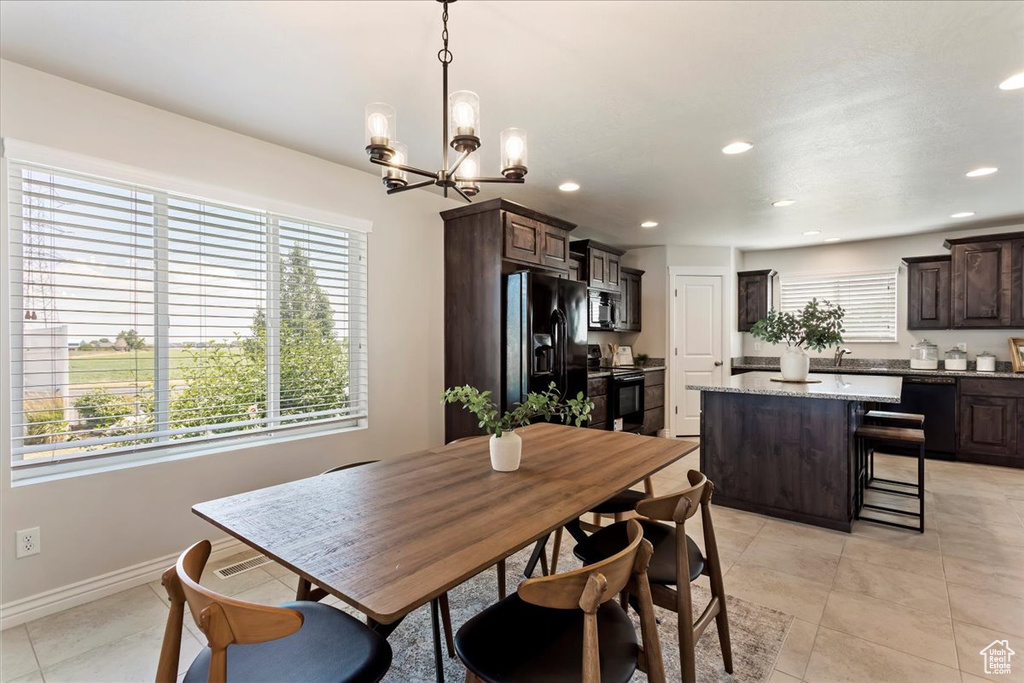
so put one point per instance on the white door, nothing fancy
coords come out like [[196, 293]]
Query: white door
[[696, 356]]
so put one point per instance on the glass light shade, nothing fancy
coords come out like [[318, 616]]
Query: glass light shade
[[469, 169], [380, 127], [513, 153], [464, 120], [394, 177]]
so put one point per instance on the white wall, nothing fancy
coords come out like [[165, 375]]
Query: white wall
[[885, 253], [103, 522]]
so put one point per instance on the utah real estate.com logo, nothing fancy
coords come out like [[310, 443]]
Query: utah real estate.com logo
[[997, 657]]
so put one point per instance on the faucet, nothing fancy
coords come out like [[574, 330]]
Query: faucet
[[840, 352]]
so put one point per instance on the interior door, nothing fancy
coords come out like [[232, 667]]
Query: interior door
[[696, 356]]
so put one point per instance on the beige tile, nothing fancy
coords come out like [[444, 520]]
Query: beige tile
[[884, 623], [277, 571], [992, 552], [804, 536], [841, 658], [787, 593], [779, 677], [232, 585], [923, 593], [976, 508], [970, 640], [987, 608], [803, 562], [271, 593], [127, 660], [738, 520], [16, 655], [731, 543], [900, 538], [954, 528], [1002, 578], [34, 677], [924, 562], [797, 648], [74, 631]]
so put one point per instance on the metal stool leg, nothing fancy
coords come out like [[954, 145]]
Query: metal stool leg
[[920, 483]]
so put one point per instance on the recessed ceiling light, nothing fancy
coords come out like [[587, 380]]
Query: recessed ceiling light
[[737, 148], [784, 202], [962, 214], [832, 239], [1014, 82], [984, 170], [649, 224], [569, 187], [813, 232]]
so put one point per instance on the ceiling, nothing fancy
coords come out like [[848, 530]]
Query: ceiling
[[866, 113]]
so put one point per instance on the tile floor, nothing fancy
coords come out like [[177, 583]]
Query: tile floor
[[876, 605]]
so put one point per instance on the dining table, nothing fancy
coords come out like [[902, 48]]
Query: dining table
[[392, 535]]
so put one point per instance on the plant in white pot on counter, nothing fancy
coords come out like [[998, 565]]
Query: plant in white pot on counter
[[818, 326], [506, 445]]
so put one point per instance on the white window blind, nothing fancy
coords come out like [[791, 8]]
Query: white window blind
[[869, 299], [145, 320]]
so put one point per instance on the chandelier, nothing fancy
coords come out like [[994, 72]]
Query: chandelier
[[460, 130]]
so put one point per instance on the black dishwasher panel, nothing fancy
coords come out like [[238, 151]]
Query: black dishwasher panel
[[935, 398]]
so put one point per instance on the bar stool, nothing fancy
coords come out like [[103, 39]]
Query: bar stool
[[867, 438], [892, 419]]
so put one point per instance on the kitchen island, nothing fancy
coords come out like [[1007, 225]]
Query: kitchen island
[[787, 450]]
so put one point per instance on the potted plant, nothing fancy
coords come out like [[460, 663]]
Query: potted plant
[[818, 326], [507, 446]]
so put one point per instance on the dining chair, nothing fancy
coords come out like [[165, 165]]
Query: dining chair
[[246, 641], [537, 635], [676, 562]]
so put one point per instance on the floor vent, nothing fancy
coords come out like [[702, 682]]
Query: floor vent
[[243, 566]]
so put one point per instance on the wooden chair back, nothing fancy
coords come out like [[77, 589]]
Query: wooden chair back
[[679, 506], [224, 621]]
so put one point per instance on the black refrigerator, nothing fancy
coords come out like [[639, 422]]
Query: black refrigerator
[[545, 336]]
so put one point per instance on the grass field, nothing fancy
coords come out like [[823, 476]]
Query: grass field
[[104, 367]]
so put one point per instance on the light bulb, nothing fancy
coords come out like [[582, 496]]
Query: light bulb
[[463, 114], [467, 169], [399, 156], [378, 124], [514, 149]]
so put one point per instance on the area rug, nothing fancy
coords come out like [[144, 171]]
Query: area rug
[[757, 633]]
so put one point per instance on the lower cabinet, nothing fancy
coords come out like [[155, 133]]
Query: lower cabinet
[[654, 402], [992, 421], [597, 391]]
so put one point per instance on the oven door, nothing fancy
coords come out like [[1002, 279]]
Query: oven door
[[627, 403]]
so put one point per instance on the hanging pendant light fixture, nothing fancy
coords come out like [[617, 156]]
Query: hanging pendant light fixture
[[460, 131]]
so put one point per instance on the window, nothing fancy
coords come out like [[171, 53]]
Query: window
[[144, 320], [869, 299]]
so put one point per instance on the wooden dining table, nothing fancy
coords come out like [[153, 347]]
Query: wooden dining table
[[392, 535]]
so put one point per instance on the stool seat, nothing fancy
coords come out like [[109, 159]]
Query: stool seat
[[894, 434], [889, 415]]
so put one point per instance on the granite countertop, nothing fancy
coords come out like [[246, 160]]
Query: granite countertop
[[838, 387], [594, 374], [899, 371]]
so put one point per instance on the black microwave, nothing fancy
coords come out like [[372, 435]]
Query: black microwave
[[603, 310]]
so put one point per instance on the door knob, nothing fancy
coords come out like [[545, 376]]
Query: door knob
[[718, 363]]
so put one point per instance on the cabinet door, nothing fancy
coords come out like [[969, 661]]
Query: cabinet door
[[631, 287], [928, 294], [598, 271], [1017, 283], [654, 420], [576, 267], [981, 284], [524, 239], [753, 301], [613, 271], [555, 249], [988, 425]]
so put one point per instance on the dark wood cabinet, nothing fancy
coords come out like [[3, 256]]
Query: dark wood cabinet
[[601, 264], [991, 421], [929, 285], [654, 402], [576, 268], [597, 391], [982, 290], [631, 290], [754, 289], [482, 242], [1017, 283]]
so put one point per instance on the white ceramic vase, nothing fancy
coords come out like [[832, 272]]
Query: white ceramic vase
[[794, 364], [506, 452]]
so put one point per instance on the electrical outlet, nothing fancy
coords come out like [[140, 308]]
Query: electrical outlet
[[28, 541]]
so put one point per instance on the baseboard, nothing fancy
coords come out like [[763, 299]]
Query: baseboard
[[49, 602]]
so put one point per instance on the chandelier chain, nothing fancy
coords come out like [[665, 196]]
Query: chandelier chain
[[444, 55]]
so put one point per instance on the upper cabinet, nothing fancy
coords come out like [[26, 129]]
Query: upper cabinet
[[754, 289], [928, 292], [628, 318], [601, 268], [535, 242], [985, 270]]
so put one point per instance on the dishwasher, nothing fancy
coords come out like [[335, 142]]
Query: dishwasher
[[935, 398]]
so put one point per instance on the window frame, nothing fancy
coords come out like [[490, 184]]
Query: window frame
[[274, 210], [840, 277]]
